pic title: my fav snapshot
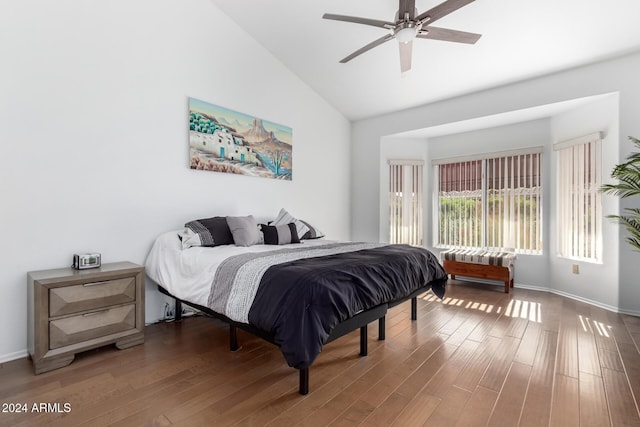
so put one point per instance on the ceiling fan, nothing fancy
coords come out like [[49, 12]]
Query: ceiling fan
[[408, 26]]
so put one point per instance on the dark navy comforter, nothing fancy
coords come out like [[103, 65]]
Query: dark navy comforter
[[300, 302]]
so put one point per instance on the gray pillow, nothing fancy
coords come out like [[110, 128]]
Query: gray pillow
[[244, 230]]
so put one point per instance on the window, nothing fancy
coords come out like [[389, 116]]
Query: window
[[579, 201], [405, 201], [490, 201]]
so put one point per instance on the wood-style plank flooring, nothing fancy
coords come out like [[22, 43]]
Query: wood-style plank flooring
[[478, 358]]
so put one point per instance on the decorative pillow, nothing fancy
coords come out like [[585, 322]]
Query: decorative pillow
[[313, 232], [285, 218], [188, 238], [280, 234], [244, 230], [206, 232]]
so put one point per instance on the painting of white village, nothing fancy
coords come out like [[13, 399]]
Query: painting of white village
[[223, 140]]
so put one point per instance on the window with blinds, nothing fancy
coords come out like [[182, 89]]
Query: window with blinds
[[579, 204], [405, 202], [494, 201]]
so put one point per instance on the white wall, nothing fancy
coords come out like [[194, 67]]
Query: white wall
[[615, 75], [94, 126]]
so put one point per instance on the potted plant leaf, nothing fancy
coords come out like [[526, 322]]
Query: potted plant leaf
[[628, 176]]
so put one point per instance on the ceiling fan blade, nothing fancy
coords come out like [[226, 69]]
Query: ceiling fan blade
[[445, 34], [358, 20], [406, 6], [442, 10], [405, 56], [371, 45]]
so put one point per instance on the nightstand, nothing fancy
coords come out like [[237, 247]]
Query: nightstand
[[70, 311]]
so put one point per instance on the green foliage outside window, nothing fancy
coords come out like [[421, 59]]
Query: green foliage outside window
[[461, 220]]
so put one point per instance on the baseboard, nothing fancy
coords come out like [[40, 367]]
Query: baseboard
[[629, 312], [581, 299], [557, 292], [573, 297], [13, 356]]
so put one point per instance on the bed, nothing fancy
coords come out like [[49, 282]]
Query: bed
[[298, 296]]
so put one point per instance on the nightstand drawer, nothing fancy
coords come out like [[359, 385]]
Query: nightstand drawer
[[76, 329], [88, 296]]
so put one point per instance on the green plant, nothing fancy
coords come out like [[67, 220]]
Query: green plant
[[628, 176]]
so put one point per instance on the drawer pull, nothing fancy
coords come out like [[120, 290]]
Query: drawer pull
[[95, 312], [97, 283]]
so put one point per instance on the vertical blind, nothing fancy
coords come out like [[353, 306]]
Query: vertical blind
[[492, 202], [405, 202], [579, 199], [460, 200]]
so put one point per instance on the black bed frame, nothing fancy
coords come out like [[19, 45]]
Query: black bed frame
[[360, 320]]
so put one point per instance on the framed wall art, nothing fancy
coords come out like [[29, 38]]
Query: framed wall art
[[223, 140]]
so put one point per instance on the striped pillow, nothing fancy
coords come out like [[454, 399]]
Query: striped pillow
[[313, 233], [206, 232], [285, 218], [279, 234]]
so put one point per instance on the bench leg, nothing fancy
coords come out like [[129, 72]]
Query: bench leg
[[453, 277], [506, 286]]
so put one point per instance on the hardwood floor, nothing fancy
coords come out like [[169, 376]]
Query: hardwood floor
[[480, 357]]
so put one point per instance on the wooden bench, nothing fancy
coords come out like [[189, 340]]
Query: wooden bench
[[481, 264]]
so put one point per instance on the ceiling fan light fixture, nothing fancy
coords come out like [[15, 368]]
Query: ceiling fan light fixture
[[406, 34]]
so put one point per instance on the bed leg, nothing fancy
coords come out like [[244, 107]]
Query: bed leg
[[414, 308], [381, 328], [363, 340], [233, 338], [178, 315], [304, 381]]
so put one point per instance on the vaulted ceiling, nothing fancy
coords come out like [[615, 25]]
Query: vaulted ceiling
[[520, 39]]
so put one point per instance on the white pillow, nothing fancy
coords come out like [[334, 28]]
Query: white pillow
[[285, 218], [189, 238]]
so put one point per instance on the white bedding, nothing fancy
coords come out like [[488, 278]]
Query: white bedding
[[188, 274]]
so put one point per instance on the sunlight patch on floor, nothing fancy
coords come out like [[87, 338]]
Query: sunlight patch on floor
[[528, 310], [458, 302], [594, 327], [525, 310]]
